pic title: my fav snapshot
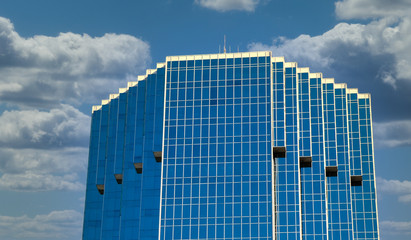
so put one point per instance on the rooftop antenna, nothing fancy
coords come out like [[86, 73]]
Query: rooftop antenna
[[224, 45]]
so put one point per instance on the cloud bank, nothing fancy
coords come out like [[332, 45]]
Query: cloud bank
[[373, 57], [364, 9], [400, 188], [42, 170], [385, 42], [65, 126], [395, 229], [229, 5], [71, 68], [64, 224], [44, 80], [392, 134]]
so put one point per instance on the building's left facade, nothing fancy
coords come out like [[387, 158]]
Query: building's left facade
[[126, 132]]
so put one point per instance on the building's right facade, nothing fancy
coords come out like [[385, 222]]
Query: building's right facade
[[232, 146]]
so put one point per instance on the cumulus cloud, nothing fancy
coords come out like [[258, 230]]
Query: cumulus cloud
[[405, 198], [65, 224], [392, 134], [40, 182], [41, 170], [360, 9], [43, 80], [395, 228], [229, 5], [60, 127], [43, 150], [373, 57], [43, 70], [401, 188], [379, 41]]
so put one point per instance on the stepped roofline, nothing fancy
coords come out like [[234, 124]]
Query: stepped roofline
[[222, 56]]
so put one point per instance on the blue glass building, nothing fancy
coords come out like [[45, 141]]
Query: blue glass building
[[232, 146]]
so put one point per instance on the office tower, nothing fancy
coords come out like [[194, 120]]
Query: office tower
[[231, 146]]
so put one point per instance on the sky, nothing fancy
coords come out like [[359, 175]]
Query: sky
[[58, 58]]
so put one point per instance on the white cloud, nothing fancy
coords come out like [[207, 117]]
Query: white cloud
[[228, 5], [43, 150], [361, 9], [392, 134], [42, 170], [64, 224], [352, 42], [10, 87], [401, 188], [405, 198], [63, 126], [40, 182], [393, 38], [373, 57], [46, 150], [395, 228], [394, 186], [70, 67]]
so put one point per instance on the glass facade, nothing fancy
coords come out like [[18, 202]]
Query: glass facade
[[231, 146], [313, 178], [217, 149], [340, 214], [366, 219]]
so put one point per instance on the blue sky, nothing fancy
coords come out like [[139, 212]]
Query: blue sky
[[58, 58]]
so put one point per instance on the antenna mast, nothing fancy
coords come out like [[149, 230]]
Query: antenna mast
[[224, 45]]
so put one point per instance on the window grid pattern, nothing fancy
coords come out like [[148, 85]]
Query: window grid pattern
[[357, 194], [317, 219], [353, 122], [330, 148], [304, 114], [329, 124], [217, 150], [287, 169], [278, 104], [309, 195], [221, 116], [339, 208], [279, 137], [368, 216], [305, 150]]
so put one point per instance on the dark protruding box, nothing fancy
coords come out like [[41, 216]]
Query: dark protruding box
[[279, 152], [119, 178], [100, 188], [305, 162], [157, 156], [139, 167], [331, 171], [356, 180]]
